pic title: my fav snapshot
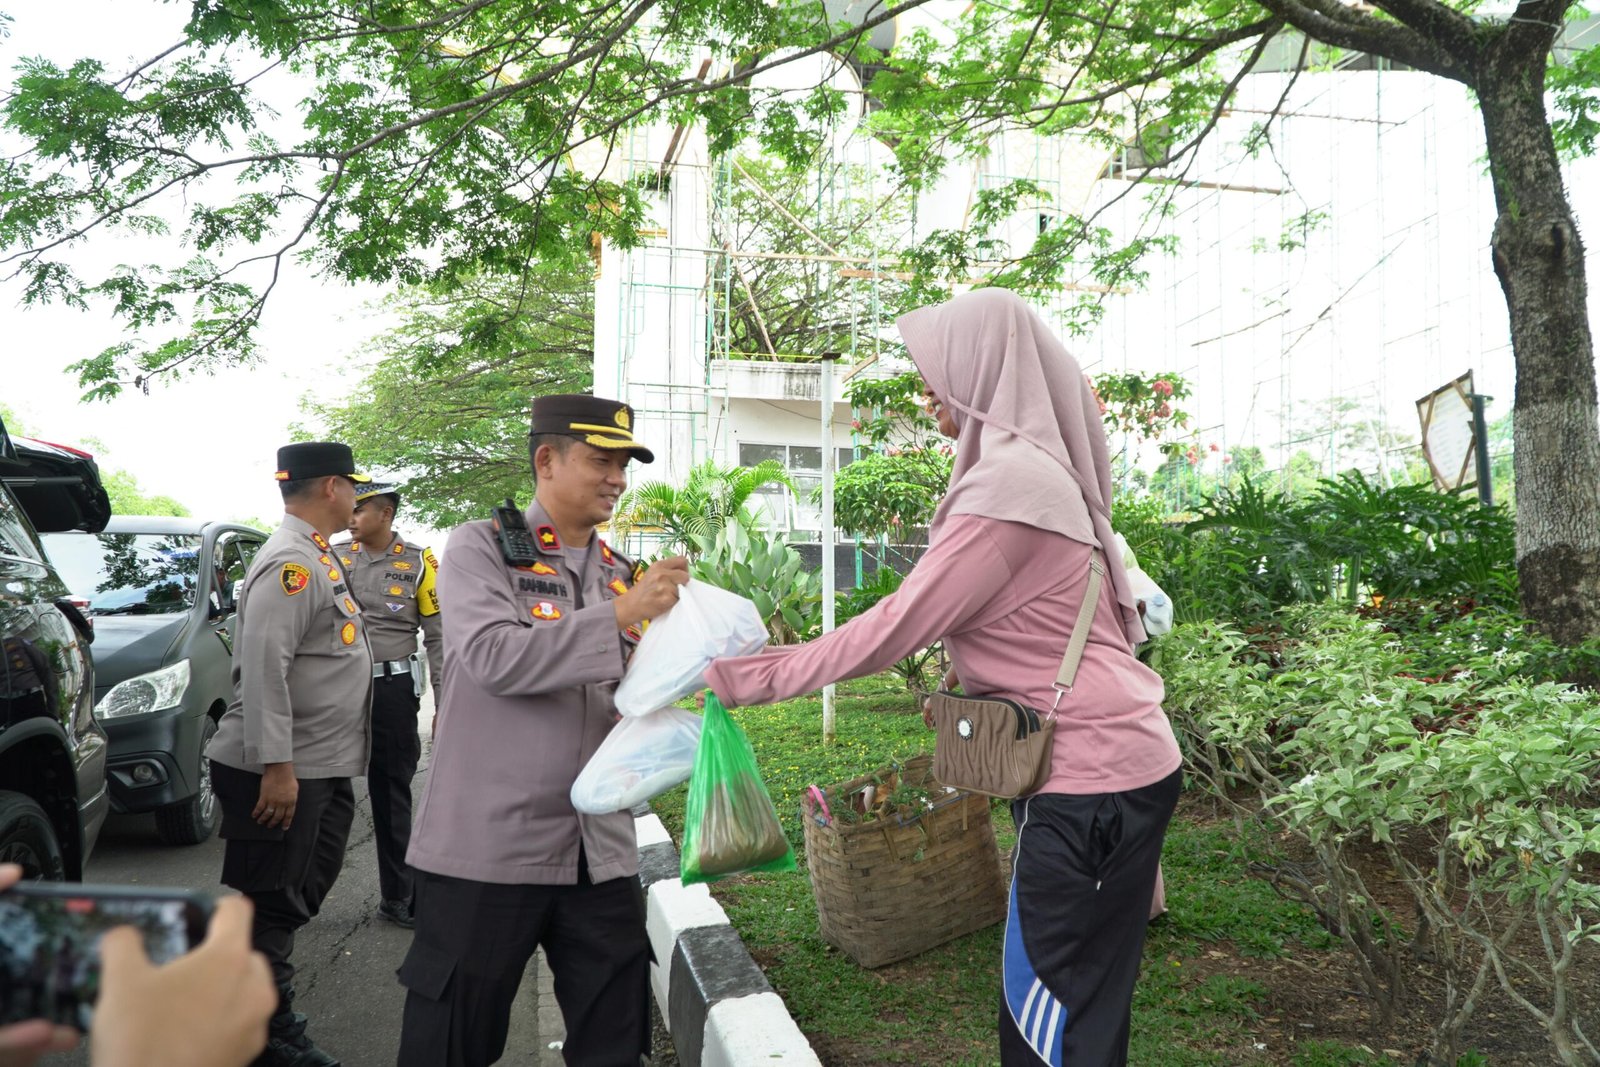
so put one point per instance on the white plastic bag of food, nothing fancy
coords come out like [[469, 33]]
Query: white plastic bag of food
[[640, 758], [671, 660]]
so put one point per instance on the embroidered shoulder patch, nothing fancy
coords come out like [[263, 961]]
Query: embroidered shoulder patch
[[605, 553], [294, 578], [399, 548], [545, 610], [617, 586]]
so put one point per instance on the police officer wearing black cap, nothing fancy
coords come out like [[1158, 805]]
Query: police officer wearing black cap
[[540, 615], [393, 581], [298, 729]]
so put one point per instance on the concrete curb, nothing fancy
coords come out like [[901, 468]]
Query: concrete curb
[[715, 1001]]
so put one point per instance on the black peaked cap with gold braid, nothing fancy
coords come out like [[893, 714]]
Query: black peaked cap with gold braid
[[594, 420]]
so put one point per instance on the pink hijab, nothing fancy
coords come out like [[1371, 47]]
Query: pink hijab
[[1031, 448]]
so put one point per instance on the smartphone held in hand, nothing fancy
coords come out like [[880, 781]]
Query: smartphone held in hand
[[50, 942]]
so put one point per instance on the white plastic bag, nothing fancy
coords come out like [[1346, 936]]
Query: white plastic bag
[[1157, 614], [640, 757], [671, 660]]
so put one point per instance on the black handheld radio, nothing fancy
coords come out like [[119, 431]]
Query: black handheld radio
[[511, 530]]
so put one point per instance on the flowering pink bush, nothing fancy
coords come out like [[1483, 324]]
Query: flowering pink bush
[[1162, 386]]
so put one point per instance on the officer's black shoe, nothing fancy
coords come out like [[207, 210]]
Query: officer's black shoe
[[397, 912], [288, 1045]]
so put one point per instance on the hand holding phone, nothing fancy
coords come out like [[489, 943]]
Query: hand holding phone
[[206, 1009]]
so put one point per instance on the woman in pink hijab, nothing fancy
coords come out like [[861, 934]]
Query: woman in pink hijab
[[1001, 583]]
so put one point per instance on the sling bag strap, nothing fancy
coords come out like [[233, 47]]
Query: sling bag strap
[[1080, 632]]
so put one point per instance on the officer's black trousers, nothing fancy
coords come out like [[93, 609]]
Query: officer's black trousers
[[1084, 871], [395, 752], [473, 940], [285, 873]]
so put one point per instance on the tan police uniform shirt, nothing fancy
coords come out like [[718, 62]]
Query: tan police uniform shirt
[[535, 657], [395, 587], [302, 667]]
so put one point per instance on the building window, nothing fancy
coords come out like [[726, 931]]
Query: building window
[[778, 508]]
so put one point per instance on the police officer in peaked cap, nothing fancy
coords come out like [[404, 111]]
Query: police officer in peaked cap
[[393, 581], [540, 615], [298, 728]]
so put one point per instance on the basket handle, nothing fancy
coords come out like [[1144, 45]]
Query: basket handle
[[814, 798]]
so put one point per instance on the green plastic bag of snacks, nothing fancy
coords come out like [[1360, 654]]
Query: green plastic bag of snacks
[[730, 825]]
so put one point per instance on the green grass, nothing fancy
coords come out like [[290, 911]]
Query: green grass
[[941, 1007]]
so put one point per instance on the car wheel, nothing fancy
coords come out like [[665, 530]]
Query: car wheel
[[194, 820], [27, 838]]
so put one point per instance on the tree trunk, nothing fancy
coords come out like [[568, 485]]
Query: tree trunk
[[1539, 259]]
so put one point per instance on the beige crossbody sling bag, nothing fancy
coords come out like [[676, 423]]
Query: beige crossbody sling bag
[[996, 746]]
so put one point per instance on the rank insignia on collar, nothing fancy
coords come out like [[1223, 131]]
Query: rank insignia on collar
[[325, 561], [548, 538], [617, 586], [294, 578], [347, 633], [399, 564], [545, 610], [320, 541], [605, 553], [334, 574], [349, 605], [399, 548], [346, 560]]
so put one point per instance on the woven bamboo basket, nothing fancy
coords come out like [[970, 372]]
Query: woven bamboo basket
[[891, 888]]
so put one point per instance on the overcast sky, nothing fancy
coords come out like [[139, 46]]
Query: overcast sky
[[210, 441]]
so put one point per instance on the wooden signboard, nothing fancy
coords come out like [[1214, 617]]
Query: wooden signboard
[[1449, 437]]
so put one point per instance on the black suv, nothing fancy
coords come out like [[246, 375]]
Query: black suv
[[160, 594], [53, 796]]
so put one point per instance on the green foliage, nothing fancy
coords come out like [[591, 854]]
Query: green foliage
[[1143, 405], [897, 487], [128, 499], [1252, 551], [1474, 790], [852, 602], [889, 494], [445, 406], [711, 499], [762, 568]]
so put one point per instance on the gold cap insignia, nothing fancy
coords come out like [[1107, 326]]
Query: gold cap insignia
[[622, 418]]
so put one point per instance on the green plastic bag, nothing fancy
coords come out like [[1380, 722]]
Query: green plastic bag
[[730, 825]]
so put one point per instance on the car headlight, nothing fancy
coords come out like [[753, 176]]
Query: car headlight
[[148, 692]]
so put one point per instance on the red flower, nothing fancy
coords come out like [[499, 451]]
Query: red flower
[[1163, 411], [855, 424], [1162, 386], [1215, 447], [1227, 459]]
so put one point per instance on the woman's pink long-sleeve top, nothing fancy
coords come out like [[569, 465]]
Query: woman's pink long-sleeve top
[[1003, 596]]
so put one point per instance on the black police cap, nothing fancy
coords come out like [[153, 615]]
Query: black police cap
[[595, 421], [316, 459]]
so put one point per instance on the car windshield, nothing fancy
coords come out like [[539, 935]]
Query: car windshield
[[128, 573]]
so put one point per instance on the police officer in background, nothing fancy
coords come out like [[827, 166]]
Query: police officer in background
[[539, 617], [298, 728], [393, 581]]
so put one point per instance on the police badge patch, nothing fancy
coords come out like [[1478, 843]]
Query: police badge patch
[[294, 578]]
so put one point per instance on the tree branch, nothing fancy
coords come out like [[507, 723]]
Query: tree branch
[[1334, 23]]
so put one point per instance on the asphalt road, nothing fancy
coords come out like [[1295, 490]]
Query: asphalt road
[[346, 957]]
